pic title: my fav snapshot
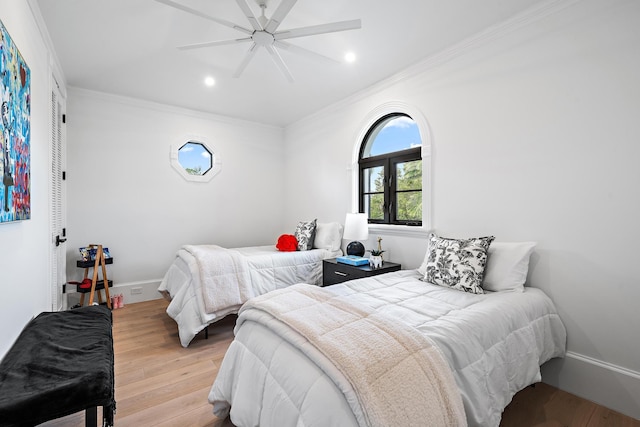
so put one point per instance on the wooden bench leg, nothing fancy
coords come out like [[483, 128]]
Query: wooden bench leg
[[91, 417], [107, 415]]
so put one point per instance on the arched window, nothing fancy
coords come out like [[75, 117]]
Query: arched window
[[390, 171]]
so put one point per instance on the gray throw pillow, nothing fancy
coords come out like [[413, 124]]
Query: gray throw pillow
[[305, 233]]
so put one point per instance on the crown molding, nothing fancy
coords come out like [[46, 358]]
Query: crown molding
[[166, 108], [521, 20], [495, 32], [54, 62]]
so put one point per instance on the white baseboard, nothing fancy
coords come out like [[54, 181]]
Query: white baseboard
[[132, 292], [604, 383]]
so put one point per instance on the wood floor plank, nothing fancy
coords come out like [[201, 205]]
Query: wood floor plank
[[173, 409], [160, 398], [198, 417], [159, 359], [205, 368], [547, 406], [160, 383]]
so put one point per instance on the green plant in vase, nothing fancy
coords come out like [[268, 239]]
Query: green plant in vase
[[375, 260], [375, 252]]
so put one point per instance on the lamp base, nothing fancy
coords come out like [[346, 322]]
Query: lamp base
[[355, 248]]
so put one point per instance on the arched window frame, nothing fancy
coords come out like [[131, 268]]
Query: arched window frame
[[394, 108]]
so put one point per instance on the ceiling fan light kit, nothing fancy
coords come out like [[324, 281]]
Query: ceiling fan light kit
[[264, 33]]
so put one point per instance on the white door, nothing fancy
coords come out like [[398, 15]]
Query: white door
[[57, 203]]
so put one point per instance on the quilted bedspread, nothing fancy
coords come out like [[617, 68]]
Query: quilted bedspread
[[396, 376], [493, 344], [207, 282]]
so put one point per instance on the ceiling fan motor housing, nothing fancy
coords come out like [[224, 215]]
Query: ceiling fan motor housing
[[262, 38]]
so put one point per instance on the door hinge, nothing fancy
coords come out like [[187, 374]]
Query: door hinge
[[64, 232], [64, 118], [64, 175]]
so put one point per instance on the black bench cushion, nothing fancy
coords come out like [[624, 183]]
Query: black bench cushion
[[61, 363]]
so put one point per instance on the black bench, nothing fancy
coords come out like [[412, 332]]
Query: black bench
[[61, 363]]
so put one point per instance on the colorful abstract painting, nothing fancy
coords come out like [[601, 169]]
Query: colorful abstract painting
[[15, 167]]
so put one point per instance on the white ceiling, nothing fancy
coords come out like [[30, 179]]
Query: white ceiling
[[128, 47]]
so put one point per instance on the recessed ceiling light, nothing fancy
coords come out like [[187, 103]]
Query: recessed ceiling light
[[350, 57], [209, 81]]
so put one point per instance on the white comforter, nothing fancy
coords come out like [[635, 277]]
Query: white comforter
[[389, 366], [494, 344], [266, 268]]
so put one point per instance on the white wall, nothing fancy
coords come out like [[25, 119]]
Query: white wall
[[25, 246], [534, 137], [124, 193]]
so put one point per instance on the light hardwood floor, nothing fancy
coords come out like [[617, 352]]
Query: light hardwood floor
[[159, 383]]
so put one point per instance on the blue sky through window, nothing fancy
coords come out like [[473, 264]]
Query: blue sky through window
[[194, 156], [399, 133]]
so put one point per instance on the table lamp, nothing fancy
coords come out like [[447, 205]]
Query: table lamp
[[356, 227]]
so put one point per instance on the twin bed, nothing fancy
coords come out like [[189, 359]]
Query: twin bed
[[207, 282], [391, 349]]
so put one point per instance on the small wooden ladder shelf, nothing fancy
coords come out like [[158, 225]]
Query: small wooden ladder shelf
[[100, 261]]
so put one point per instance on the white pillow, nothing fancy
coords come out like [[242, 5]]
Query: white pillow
[[423, 267], [328, 236], [507, 266]]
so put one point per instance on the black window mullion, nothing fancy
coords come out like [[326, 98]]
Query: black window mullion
[[403, 158], [392, 192], [364, 165], [387, 191], [388, 161]]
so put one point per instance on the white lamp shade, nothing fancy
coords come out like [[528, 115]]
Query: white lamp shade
[[356, 227]]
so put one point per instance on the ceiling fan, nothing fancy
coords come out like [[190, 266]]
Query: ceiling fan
[[264, 32]]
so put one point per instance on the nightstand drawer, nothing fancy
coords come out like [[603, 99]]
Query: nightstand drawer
[[337, 273], [334, 272]]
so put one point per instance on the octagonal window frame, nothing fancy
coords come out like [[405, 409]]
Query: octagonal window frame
[[216, 163]]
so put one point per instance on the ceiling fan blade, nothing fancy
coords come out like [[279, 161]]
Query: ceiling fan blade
[[276, 19], [249, 14], [245, 61], [279, 62], [215, 43], [318, 29], [205, 16], [302, 51]]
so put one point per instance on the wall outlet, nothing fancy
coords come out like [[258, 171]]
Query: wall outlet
[[136, 291]]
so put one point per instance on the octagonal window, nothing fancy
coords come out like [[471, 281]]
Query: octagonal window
[[195, 160]]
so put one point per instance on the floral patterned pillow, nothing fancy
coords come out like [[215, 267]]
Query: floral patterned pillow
[[457, 263], [305, 233]]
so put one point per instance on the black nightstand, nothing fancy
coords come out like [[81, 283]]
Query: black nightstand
[[335, 272]]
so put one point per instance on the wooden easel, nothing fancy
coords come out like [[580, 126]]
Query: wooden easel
[[100, 261]]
